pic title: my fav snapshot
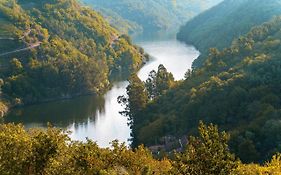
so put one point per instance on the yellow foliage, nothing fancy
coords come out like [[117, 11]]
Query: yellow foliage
[[271, 168]]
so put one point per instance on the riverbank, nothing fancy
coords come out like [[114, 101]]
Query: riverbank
[[98, 118], [7, 105]]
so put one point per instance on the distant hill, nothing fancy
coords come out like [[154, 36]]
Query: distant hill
[[53, 49], [218, 26], [146, 18]]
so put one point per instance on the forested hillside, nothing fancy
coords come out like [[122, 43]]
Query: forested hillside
[[53, 49], [50, 151], [230, 19], [148, 18], [238, 88]]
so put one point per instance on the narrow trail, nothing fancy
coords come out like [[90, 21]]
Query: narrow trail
[[30, 46], [37, 44], [25, 34], [7, 38]]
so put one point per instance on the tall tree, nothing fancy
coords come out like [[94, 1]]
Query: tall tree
[[206, 154], [150, 84], [159, 82], [136, 98]]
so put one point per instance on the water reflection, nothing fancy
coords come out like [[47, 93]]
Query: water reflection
[[98, 118], [60, 113], [108, 125]]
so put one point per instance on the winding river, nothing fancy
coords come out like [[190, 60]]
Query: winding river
[[98, 118]]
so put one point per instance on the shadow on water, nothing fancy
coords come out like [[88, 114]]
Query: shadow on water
[[90, 117], [60, 113], [98, 118]]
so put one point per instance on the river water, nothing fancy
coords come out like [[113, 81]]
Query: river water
[[98, 118]]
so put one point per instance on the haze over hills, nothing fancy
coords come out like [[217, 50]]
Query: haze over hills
[[218, 26], [223, 118], [150, 17]]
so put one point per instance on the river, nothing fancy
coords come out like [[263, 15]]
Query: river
[[98, 118]]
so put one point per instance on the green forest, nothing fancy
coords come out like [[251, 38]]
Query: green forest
[[147, 18], [237, 88], [219, 26], [58, 49], [222, 118], [50, 151]]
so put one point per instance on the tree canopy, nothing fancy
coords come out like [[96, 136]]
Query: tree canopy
[[59, 49], [50, 151], [237, 88], [220, 25]]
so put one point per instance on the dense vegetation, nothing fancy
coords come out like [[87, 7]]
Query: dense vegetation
[[238, 88], [149, 18], [230, 19], [57, 48], [51, 152]]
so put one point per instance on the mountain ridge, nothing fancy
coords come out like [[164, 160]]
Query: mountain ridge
[[150, 17]]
